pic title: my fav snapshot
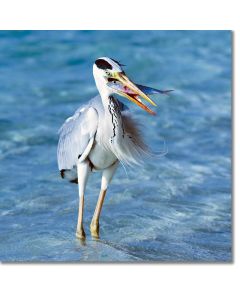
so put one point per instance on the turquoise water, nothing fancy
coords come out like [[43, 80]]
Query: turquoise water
[[174, 209]]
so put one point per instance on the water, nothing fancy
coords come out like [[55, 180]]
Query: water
[[174, 209]]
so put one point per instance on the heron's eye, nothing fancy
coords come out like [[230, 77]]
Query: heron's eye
[[114, 80]]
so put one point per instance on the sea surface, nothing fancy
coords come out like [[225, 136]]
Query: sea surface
[[174, 208]]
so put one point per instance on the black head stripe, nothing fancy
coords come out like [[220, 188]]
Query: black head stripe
[[103, 64]]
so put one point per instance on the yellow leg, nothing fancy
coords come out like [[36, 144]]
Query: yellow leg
[[80, 233], [83, 170], [94, 227]]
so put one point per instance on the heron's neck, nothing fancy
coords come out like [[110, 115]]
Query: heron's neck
[[113, 119], [108, 101]]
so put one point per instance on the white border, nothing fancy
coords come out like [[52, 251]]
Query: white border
[[124, 14], [155, 281]]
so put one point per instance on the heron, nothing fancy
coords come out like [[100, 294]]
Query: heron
[[102, 133]]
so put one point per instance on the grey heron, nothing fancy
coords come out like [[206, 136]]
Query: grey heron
[[102, 133]]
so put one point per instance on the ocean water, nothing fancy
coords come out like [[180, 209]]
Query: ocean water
[[176, 208]]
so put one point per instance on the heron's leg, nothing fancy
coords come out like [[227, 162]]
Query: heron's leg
[[83, 170], [106, 179]]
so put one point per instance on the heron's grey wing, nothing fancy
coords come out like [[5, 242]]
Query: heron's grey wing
[[76, 137]]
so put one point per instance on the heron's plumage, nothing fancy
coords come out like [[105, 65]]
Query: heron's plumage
[[91, 122], [75, 135]]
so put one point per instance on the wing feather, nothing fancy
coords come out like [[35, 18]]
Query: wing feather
[[75, 134]]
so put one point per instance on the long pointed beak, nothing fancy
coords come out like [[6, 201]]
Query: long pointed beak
[[132, 92]]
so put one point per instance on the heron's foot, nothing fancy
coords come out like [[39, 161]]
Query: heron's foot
[[80, 234], [94, 228]]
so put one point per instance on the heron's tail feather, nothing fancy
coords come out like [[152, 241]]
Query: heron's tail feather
[[70, 175]]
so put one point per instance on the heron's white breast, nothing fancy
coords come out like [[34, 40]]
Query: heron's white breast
[[101, 157]]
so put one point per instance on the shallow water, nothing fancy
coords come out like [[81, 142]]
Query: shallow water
[[176, 208]]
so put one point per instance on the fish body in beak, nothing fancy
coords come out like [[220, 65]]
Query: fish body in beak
[[123, 86]]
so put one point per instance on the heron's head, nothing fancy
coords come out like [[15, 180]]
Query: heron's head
[[111, 79]]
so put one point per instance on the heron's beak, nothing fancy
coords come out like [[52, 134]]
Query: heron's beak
[[130, 90]]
